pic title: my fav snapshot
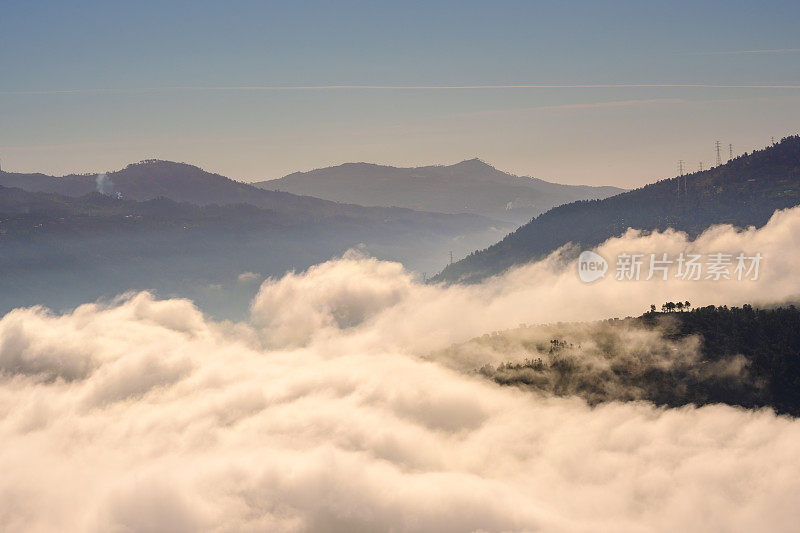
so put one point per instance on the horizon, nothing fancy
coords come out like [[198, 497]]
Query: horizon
[[631, 182], [369, 163], [725, 159]]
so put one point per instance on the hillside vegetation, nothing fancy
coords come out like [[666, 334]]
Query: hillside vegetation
[[745, 191], [738, 356]]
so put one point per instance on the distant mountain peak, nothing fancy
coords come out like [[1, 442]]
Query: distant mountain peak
[[470, 186], [474, 163], [161, 163]]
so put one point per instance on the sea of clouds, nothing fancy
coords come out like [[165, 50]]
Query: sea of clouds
[[327, 410]]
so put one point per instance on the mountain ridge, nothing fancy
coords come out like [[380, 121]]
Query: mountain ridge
[[470, 186], [183, 182], [59, 250], [744, 191]]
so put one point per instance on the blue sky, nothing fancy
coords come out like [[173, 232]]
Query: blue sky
[[246, 88]]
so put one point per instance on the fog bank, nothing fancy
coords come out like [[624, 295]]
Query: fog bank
[[328, 409]]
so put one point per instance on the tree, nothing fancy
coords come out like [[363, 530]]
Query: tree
[[679, 306], [686, 305], [652, 308]]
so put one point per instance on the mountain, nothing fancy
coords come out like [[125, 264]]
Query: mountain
[[181, 182], [745, 357], [62, 250], [24, 214], [467, 187], [745, 191]]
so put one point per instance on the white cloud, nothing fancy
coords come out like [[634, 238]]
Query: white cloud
[[324, 412], [248, 277]]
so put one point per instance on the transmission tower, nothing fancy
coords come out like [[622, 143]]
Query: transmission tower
[[701, 166], [730, 151], [451, 257], [719, 159]]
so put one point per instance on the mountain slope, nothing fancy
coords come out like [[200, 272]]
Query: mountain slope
[[744, 356], [390, 231], [467, 187], [61, 250], [745, 191], [23, 213], [181, 182]]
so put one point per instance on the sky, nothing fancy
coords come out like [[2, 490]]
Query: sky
[[574, 92]]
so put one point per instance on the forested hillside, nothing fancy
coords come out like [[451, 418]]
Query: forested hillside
[[745, 191], [739, 356]]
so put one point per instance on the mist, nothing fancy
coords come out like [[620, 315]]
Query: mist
[[334, 406]]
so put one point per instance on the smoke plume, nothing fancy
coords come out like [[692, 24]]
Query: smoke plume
[[104, 184]]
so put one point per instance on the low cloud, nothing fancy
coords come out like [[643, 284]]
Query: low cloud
[[329, 409]]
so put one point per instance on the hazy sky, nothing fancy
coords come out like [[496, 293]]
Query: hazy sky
[[256, 90]]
